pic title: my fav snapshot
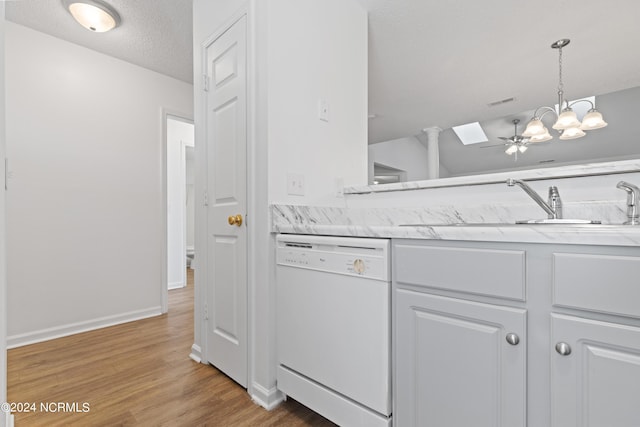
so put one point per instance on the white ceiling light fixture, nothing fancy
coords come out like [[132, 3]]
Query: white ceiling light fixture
[[94, 15], [567, 122]]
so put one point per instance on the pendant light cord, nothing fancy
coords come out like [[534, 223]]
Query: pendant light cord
[[560, 83]]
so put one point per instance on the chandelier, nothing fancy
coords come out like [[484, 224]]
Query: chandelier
[[567, 123]]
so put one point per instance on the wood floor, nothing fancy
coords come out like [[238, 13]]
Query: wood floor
[[136, 374]]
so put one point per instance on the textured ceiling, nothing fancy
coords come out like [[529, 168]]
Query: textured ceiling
[[154, 34], [431, 62]]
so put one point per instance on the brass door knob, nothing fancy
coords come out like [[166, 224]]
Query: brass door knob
[[235, 220]]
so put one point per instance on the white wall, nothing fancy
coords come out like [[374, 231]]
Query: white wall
[[3, 269], [316, 49], [179, 136], [85, 206], [305, 50], [407, 154]]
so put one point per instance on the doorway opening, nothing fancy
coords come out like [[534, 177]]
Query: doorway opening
[[180, 202]]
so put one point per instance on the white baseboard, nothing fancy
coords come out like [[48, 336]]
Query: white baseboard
[[196, 353], [176, 285], [267, 398], [19, 340]]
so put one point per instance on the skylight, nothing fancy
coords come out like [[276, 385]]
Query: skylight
[[471, 133]]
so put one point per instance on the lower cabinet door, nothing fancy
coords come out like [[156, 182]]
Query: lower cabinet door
[[595, 373], [458, 362]]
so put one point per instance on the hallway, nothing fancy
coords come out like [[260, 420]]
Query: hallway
[[137, 373]]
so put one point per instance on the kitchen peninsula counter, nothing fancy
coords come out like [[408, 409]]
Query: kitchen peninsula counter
[[339, 222]]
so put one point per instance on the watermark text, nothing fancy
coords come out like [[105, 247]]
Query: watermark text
[[53, 407]]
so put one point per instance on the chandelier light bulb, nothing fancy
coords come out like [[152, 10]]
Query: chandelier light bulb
[[593, 120], [534, 127], [567, 120], [572, 133], [545, 136]]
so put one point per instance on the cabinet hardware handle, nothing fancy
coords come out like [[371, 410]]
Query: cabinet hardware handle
[[235, 220], [563, 349], [513, 339]]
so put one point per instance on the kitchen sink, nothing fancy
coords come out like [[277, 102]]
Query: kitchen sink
[[558, 221], [511, 224], [459, 224]]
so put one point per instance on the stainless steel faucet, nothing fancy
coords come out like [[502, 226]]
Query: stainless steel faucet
[[633, 195], [554, 205]]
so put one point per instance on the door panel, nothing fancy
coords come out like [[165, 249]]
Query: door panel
[[454, 366], [226, 175], [224, 155], [225, 67], [225, 292], [598, 383]]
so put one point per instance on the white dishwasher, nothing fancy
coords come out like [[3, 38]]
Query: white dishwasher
[[333, 326]]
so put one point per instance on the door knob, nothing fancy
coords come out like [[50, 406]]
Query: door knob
[[513, 339], [563, 349], [235, 220]]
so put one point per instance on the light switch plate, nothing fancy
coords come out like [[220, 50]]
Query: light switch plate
[[323, 110]]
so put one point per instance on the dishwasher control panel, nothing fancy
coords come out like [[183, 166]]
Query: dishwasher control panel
[[344, 255]]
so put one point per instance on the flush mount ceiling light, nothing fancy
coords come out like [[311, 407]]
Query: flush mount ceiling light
[[94, 15], [567, 122]]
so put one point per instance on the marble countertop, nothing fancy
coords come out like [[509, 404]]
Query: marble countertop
[[616, 235]]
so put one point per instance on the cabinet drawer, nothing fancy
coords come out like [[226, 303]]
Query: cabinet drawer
[[488, 272], [602, 283]]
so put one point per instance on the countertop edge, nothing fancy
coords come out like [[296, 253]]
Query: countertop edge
[[568, 171], [609, 235]]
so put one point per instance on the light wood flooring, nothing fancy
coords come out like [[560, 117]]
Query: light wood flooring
[[137, 374]]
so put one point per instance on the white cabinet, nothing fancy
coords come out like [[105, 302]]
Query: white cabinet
[[459, 361], [455, 366], [575, 310], [595, 338], [595, 381]]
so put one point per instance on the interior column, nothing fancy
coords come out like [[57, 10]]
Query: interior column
[[433, 159]]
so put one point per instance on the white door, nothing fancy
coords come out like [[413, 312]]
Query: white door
[[595, 373], [226, 136]]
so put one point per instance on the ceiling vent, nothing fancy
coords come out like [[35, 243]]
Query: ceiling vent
[[502, 101]]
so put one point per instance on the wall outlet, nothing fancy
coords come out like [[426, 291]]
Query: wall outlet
[[323, 110], [295, 184]]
